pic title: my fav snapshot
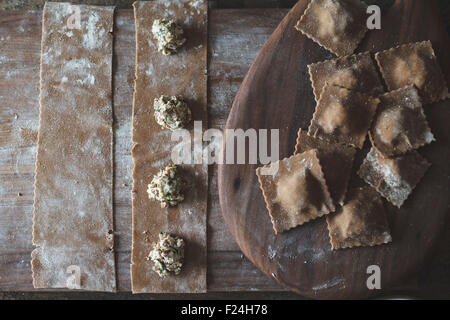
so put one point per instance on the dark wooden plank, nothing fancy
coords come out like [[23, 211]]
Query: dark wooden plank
[[235, 37], [277, 93]]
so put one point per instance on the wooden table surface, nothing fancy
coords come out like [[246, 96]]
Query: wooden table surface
[[235, 38]]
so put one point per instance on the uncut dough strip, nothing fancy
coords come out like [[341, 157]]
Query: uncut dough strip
[[73, 217], [181, 74]]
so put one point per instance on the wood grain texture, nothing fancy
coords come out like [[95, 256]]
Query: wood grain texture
[[277, 94], [235, 37]]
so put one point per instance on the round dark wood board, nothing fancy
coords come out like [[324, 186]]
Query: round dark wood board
[[277, 94]]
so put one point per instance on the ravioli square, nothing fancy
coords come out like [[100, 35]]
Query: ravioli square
[[400, 124], [361, 222], [338, 26], [297, 192], [394, 178], [343, 116], [336, 161], [356, 72], [414, 64]]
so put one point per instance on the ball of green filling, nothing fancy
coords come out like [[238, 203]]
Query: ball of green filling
[[166, 187], [172, 112], [167, 255], [169, 35]]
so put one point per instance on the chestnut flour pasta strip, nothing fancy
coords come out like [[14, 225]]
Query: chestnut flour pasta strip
[[73, 217], [183, 73]]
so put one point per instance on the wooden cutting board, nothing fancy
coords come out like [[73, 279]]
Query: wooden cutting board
[[277, 94]]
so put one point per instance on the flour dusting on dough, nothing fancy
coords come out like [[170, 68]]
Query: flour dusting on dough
[[74, 175]]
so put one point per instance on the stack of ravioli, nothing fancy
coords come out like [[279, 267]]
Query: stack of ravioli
[[351, 104]]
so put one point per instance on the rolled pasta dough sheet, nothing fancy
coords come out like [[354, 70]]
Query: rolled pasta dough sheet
[[183, 73], [73, 216]]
